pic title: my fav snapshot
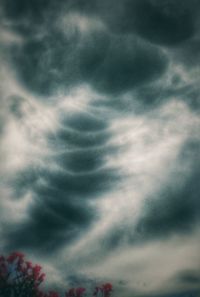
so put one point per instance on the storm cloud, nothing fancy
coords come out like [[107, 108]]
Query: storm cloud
[[99, 154]]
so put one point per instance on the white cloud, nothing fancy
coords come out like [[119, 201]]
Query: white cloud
[[150, 268]]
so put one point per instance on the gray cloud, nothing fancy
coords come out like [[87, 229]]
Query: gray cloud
[[167, 22], [109, 64], [128, 63], [99, 142], [61, 210], [177, 207], [189, 276]]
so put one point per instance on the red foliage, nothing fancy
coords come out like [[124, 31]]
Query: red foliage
[[19, 277], [104, 290], [75, 292]]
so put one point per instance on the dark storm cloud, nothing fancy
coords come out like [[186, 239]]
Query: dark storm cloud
[[86, 123], [81, 161], [83, 184], [180, 293], [152, 95], [28, 17], [167, 22], [34, 10], [189, 54], [173, 24], [61, 207], [188, 277], [82, 130], [177, 207], [111, 65], [128, 63], [130, 53], [147, 97], [52, 222], [45, 64], [21, 9], [57, 60], [76, 139], [53, 57], [164, 22]]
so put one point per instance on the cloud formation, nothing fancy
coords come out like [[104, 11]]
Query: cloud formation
[[99, 127]]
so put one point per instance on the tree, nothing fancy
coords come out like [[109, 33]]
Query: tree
[[20, 278]]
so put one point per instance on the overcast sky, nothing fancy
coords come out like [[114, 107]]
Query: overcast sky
[[100, 142]]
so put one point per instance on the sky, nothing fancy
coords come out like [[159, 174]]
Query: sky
[[100, 142]]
